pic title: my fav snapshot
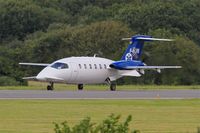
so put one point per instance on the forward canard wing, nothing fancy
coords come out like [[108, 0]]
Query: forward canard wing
[[46, 79], [33, 78], [35, 64], [53, 79]]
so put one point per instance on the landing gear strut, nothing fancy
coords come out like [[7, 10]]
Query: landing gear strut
[[50, 87], [112, 84], [80, 87]]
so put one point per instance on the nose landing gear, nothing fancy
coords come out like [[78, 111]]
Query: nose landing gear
[[80, 87], [50, 87]]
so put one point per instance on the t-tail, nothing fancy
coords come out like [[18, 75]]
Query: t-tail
[[134, 50]]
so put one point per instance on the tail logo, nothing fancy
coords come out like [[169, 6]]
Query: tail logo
[[133, 54]]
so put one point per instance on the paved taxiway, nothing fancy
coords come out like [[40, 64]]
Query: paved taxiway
[[135, 94]]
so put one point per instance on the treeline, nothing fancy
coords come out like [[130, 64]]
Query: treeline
[[43, 31]]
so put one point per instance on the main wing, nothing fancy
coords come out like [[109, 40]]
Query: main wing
[[152, 67], [35, 64], [157, 68], [136, 71]]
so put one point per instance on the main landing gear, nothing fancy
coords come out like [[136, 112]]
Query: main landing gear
[[112, 84], [80, 87], [50, 87]]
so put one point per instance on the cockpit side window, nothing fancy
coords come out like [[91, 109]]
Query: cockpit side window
[[59, 65]]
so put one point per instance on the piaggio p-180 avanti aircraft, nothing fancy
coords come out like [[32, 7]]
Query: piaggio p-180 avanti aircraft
[[96, 70]]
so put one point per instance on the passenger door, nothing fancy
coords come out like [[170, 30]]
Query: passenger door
[[74, 71]]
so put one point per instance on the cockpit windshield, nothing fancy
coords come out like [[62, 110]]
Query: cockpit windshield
[[59, 65]]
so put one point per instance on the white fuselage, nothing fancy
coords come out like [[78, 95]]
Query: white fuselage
[[95, 70], [78, 70]]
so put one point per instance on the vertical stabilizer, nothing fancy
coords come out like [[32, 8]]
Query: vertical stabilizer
[[134, 50]]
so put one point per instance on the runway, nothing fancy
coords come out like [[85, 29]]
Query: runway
[[135, 94]]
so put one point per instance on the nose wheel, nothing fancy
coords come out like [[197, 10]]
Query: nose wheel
[[80, 87], [50, 87]]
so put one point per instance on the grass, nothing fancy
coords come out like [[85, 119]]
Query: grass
[[42, 86], [149, 116]]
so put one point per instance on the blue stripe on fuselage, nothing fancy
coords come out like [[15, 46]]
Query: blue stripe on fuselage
[[123, 65]]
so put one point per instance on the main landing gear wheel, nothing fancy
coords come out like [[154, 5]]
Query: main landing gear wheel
[[113, 87], [80, 87], [50, 87]]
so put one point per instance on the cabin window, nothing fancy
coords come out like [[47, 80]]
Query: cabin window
[[105, 66], [59, 65], [90, 66], [100, 66], [79, 66], [85, 66], [95, 66]]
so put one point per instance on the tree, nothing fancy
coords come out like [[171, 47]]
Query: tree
[[96, 38], [110, 125], [19, 18], [182, 52]]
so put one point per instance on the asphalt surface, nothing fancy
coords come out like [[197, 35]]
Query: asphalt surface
[[135, 94]]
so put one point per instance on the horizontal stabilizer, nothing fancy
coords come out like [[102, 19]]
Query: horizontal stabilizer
[[34, 64], [154, 39], [148, 39]]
